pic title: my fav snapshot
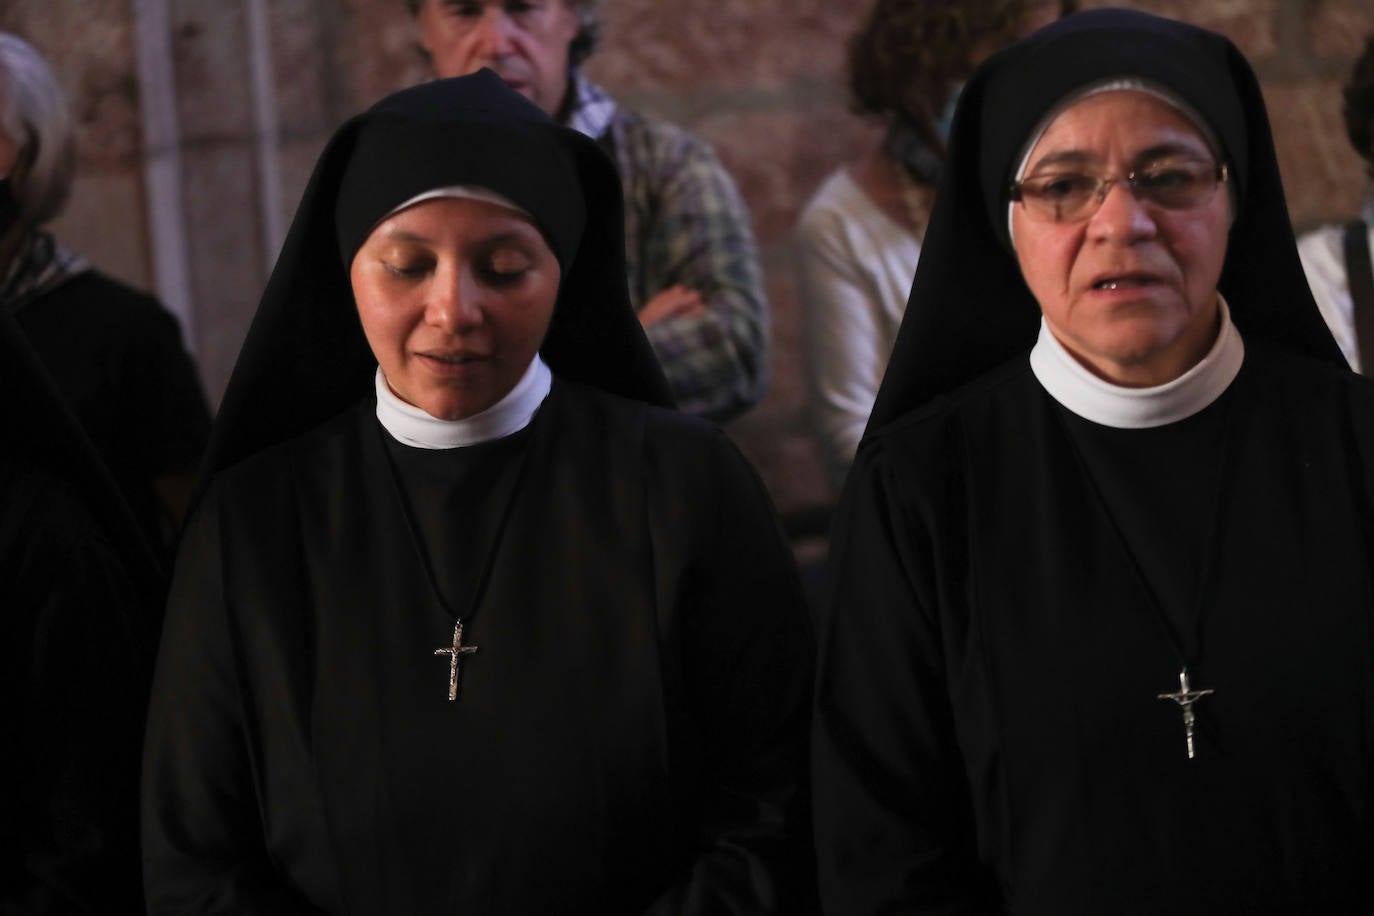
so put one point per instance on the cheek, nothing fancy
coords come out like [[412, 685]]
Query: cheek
[[1046, 263], [1201, 251], [381, 312]]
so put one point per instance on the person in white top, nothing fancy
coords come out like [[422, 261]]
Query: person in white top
[[859, 238], [1322, 250]]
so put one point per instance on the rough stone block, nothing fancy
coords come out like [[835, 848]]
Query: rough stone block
[[1339, 28], [301, 75], [729, 43], [225, 251], [104, 222], [379, 50], [779, 157], [214, 90], [1252, 24], [296, 160], [1323, 179]]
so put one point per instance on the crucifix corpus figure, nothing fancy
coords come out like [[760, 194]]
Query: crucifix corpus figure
[[1185, 698], [458, 650]]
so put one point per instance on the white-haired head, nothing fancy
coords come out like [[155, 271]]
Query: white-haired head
[[34, 114]]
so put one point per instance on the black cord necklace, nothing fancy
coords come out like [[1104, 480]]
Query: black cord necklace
[[1186, 696], [457, 649]]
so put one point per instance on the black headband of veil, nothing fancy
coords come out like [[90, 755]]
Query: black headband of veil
[[970, 311], [305, 358], [417, 157]]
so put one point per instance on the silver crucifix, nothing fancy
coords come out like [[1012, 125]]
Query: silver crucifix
[[455, 654], [1185, 698]]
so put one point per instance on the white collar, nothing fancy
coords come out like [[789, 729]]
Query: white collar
[[411, 426], [1098, 400]]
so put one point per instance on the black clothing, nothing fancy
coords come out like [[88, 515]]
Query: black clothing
[[79, 594], [456, 501], [629, 737], [116, 355], [989, 738]]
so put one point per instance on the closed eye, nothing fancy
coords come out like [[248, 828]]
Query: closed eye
[[406, 271]]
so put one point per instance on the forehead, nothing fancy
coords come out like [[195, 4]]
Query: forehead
[[1123, 123]]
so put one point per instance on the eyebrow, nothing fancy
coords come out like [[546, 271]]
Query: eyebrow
[[1163, 150]]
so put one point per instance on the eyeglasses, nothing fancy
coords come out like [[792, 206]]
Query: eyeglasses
[[1066, 197]]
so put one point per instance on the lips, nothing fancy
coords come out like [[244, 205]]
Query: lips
[[452, 360], [1124, 281]]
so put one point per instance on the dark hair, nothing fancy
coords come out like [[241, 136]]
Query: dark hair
[[588, 27], [911, 53], [1359, 106]]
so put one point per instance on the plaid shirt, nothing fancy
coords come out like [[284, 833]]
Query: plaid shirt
[[685, 223]]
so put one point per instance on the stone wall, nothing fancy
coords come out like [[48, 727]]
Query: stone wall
[[761, 79]]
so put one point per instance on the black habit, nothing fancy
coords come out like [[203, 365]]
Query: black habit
[[629, 736], [1015, 585]]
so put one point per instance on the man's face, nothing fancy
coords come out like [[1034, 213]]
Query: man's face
[[525, 41]]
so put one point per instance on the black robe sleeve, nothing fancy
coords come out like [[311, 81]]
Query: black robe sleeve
[[203, 845], [894, 820], [732, 593]]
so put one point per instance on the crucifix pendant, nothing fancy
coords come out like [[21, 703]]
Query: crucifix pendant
[[1185, 698], [455, 655]]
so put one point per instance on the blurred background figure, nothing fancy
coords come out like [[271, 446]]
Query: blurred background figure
[[691, 260], [115, 353], [1336, 257], [79, 595], [860, 236]]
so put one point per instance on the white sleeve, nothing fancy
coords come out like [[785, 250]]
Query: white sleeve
[[1323, 259]]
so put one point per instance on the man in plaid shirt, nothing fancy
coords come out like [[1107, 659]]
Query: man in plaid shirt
[[693, 266]]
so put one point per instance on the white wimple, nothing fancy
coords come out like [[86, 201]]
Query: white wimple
[[411, 426], [1098, 400]]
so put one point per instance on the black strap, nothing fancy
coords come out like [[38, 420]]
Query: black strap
[[1359, 274]]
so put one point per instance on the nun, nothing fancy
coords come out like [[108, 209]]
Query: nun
[[465, 621], [1099, 638]]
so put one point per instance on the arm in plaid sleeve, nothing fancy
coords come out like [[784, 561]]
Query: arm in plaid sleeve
[[688, 225]]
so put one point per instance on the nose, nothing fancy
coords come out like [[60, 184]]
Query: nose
[[1122, 215], [491, 34], [454, 304]]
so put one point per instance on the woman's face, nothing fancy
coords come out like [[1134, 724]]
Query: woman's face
[[1130, 291], [455, 297]]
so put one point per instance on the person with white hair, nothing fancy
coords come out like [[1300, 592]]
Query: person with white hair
[[115, 353]]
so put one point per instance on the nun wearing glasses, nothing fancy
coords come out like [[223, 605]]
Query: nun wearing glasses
[[1099, 638]]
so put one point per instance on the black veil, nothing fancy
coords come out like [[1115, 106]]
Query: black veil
[[305, 358], [969, 309]]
